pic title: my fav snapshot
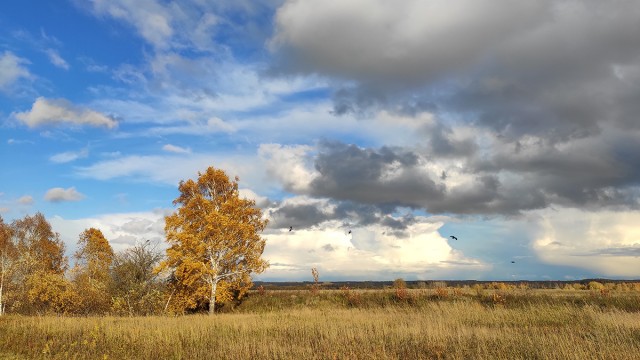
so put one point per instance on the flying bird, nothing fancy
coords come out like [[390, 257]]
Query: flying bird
[[290, 228], [349, 231], [453, 237], [513, 262]]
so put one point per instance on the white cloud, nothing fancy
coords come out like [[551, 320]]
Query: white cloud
[[151, 19], [288, 164], [367, 253], [26, 200], [176, 149], [17, 142], [261, 201], [123, 230], [171, 169], [55, 111], [212, 126], [11, 69], [220, 124], [61, 195], [56, 59], [605, 242], [69, 156]]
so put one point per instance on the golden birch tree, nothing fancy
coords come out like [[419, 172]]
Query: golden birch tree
[[91, 274], [8, 255], [41, 263], [215, 242]]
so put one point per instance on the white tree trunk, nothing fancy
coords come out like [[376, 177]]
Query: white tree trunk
[[212, 298], [1, 304], [1, 286]]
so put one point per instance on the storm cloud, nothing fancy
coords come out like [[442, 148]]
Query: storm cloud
[[535, 104]]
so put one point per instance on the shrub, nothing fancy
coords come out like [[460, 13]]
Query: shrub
[[353, 298], [442, 292], [594, 285], [399, 283]]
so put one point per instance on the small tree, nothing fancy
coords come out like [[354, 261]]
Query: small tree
[[316, 278], [8, 255], [40, 263], [136, 287], [91, 272], [214, 241]]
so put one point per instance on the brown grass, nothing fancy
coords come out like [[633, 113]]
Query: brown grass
[[495, 325]]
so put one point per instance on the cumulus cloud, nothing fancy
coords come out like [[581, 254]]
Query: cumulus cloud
[[367, 253], [25, 200], [553, 69], [12, 69], [394, 43], [122, 230], [61, 195], [605, 242], [56, 111], [288, 164], [492, 178]]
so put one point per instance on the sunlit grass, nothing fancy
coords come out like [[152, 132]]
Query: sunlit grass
[[301, 325]]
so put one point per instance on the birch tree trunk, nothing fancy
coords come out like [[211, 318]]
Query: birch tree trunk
[[2, 269], [212, 298]]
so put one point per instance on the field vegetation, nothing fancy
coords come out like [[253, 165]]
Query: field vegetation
[[490, 321]]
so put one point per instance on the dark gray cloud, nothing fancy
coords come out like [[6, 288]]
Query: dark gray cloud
[[556, 69], [398, 178], [552, 88], [367, 185], [298, 216], [350, 214], [441, 143], [383, 176], [395, 45], [617, 251], [328, 248]]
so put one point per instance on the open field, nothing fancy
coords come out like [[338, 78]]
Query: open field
[[353, 324]]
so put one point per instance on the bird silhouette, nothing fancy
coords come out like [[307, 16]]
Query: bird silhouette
[[290, 228], [513, 262], [453, 237], [349, 231]]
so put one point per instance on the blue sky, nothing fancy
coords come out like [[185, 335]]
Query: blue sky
[[511, 125]]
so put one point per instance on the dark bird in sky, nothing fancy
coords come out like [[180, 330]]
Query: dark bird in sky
[[349, 231], [513, 262], [290, 228], [453, 237]]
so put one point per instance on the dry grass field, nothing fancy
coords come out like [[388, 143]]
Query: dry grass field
[[353, 324]]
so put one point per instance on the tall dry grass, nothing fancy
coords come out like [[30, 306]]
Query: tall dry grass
[[326, 326]]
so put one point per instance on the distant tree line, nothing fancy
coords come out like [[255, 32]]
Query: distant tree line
[[35, 277]]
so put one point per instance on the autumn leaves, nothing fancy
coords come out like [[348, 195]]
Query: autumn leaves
[[214, 243], [214, 246]]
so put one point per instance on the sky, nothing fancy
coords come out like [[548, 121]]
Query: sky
[[376, 129]]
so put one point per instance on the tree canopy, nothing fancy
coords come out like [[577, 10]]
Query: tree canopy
[[215, 242]]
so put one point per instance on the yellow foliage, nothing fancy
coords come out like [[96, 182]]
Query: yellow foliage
[[91, 273], [51, 292], [214, 242]]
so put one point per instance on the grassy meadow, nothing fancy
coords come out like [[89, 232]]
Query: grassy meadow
[[442, 323]]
